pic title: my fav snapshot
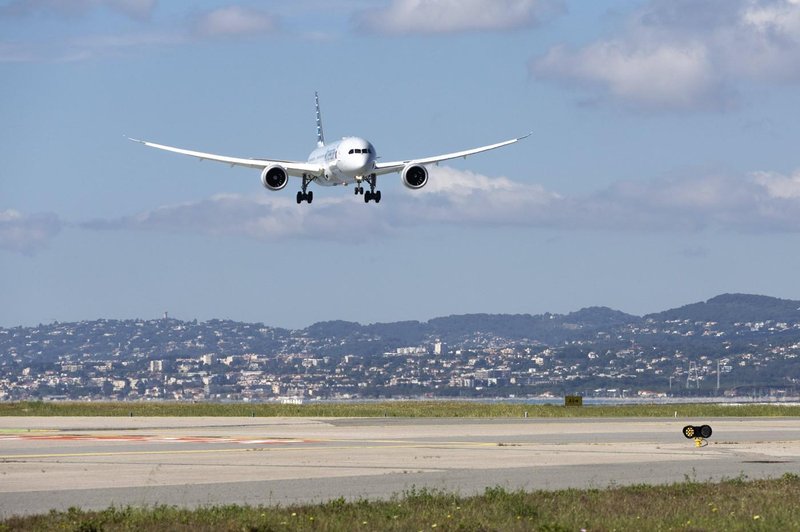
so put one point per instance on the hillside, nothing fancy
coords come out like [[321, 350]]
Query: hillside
[[735, 308]]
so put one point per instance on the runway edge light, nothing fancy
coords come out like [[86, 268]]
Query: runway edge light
[[694, 431]]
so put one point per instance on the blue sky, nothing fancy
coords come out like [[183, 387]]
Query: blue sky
[[662, 168]]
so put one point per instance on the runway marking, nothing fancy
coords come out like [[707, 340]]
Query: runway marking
[[25, 431], [376, 444], [13, 457], [358, 443], [148, 438]]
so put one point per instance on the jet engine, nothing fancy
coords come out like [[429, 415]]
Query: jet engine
[[274, 177], [415, 176]]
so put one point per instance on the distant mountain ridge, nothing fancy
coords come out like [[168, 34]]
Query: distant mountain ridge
[[734, 308], [541, 327], [554, 328], [551, 329]]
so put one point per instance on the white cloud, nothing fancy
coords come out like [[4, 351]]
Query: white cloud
[[138, 9], [462, 197], [684, 55], [225, 22], [27, 233], [760, 202], [266, 216], [235, 20], [661, 77], [779, 186], [88, 47], [450, 16], [107, 43]]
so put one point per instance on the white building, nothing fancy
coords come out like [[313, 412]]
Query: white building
[[439, 348]]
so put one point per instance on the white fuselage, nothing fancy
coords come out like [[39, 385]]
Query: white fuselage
[[349, 160]]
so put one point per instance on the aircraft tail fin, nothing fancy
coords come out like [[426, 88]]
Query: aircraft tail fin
[[320, 134]]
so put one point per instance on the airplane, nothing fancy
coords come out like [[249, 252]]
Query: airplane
[[346, 161]]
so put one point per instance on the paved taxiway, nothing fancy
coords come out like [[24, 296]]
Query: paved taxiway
[[55, 463]]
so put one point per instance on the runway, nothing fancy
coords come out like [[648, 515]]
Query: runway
[[55, 463]]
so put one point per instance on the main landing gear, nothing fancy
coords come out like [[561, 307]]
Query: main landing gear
[[304, 195], [371, 194]]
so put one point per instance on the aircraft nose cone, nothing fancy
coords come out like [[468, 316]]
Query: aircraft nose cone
[[358, 164]]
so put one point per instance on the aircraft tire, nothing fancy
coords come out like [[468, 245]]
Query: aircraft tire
[[688, 431], [377, 196], [299, 197], [367, 196], [705, 431], [310, 197]]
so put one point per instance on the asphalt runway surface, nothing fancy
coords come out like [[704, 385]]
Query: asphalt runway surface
[[92, 463]]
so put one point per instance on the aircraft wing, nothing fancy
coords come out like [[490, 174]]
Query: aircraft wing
[[292, 167], [396, 166]]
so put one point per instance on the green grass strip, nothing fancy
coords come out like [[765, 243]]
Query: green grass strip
[[730, 505], [411, 409]]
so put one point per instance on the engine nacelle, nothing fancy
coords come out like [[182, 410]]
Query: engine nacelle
[[274, 177], [415, 176]]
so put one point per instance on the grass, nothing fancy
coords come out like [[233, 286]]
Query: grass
[[443, 409], [730, 505]]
